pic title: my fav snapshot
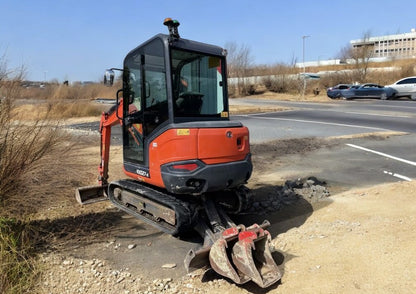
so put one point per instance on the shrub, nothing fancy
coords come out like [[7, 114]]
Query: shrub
[[280, 83], [22, 145]]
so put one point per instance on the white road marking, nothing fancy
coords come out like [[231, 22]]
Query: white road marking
[[398, 176], [375, 114], [317, 122], [383, 154]]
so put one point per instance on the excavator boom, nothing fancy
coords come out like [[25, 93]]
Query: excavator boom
[[97, 193]]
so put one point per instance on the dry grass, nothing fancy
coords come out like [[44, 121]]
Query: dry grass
[[40, 166], [25, 147], [61, 109], [75, 92], [36, 164], [241, 109], [60, 101], [18, 270], [308, 97], [74, 109]]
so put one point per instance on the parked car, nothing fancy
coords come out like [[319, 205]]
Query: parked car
[[368, 91], [335, 92], [405, 88]]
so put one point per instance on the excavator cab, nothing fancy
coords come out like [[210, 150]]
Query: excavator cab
[[176, 124], [187, 162], [164, 85]]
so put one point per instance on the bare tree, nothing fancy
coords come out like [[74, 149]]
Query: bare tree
[[3, 68], [239, 62], [361, 54], [10, 79], [344, 53]]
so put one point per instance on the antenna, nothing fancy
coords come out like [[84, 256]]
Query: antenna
[[173, 27]]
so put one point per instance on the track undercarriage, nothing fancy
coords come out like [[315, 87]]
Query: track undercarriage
[[237, 252]]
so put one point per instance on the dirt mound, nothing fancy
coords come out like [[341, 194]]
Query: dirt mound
[[310, 189]]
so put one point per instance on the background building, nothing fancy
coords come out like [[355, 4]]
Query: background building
[[400, 45]]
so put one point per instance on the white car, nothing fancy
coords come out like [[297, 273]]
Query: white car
[[405, 88]]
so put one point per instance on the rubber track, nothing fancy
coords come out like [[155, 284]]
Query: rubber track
[[185, 210]]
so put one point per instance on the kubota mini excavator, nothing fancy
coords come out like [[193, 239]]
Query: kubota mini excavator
[[187, 161]]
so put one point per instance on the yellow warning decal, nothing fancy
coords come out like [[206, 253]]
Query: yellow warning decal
[[224, 114], [183, 132]]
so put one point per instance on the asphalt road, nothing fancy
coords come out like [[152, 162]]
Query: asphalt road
[[328, 119], [386, 160], [356, 161]]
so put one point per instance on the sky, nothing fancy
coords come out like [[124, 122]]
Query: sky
[[77, 40]]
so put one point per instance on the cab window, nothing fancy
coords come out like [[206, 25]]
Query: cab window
[[198, 85]]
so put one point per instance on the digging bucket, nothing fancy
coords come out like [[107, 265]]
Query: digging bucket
[[220, 261], [252, 257], [245, 256]]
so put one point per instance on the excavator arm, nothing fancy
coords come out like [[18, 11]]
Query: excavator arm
[[96, 193], [108, 120]]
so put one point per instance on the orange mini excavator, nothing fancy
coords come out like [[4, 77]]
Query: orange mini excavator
[[187, 161]]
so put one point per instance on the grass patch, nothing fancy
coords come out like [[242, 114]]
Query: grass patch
[[18, 271], [74, 92], [74, 109], [58, 110]]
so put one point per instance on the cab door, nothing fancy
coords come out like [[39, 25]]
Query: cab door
[[145, 103], [133, 140]]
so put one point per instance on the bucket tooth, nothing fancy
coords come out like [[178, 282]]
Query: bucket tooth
[[252, 257], [220, 262]]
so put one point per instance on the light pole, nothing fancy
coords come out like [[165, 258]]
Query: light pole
[[303, 51], [303, 62]]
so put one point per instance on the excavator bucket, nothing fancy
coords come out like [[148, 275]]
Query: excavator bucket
[[219, 258], [252, 257], [91, 194], [240, 254]]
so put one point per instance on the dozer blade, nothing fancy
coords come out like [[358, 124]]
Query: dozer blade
[[252, 257], [91, 194]]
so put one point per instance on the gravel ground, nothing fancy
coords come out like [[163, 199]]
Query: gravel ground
[[360, 241], [75, 275]]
